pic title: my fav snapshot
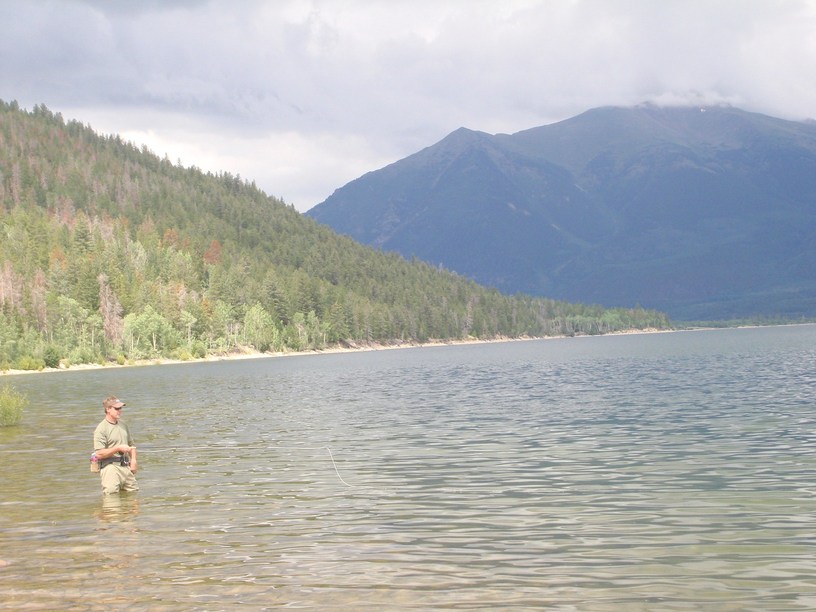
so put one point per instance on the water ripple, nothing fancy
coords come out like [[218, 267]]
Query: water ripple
[[650, 472]]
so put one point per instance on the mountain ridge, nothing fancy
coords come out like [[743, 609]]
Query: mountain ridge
[[702, 212]]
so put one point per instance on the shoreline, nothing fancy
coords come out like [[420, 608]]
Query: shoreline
[[245, 353]]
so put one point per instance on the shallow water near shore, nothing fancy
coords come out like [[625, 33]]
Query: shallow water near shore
[[644, 472]]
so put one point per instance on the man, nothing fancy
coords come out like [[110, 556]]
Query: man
[[113, 446]]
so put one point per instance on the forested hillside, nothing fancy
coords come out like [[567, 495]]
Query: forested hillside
[[108, 252]]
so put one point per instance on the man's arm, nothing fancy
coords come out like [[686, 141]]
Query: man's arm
[[107, 453]]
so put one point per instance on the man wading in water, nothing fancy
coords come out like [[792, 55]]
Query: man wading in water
[[113, 447]]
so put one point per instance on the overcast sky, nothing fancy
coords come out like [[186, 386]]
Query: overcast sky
[[303, 96]]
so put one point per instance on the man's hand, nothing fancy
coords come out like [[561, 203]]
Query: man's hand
[[133, 464]]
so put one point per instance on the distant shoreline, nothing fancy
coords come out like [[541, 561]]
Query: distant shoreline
[[245, 353], [353, 348]]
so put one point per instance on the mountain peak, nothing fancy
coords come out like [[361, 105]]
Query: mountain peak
[[464, 137], [703, 212]]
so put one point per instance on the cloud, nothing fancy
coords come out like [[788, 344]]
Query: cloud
[[302, 96], [285, 156]]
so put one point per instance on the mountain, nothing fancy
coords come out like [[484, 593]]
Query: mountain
[[704, 213], [108, 252]]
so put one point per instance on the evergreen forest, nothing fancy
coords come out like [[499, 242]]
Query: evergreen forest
[[110, 253]]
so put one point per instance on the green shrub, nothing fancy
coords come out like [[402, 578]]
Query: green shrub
[[27, 362], [182, 354], [83, 354], [51, 356], [12, 404], [199, 349]]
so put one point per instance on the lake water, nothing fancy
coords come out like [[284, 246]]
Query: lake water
[[644, 472]]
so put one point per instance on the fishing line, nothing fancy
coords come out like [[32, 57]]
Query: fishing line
[[305, 448], [335, 467]]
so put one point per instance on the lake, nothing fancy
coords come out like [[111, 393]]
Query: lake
[[637, 472]]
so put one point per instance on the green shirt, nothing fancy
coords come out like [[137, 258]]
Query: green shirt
[[108, 435]]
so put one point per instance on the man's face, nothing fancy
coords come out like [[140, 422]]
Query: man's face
[[114, 414]]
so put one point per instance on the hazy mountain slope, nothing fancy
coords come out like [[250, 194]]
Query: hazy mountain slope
[[704, 213]]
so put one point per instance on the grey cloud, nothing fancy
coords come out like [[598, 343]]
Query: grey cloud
[[342, 87]]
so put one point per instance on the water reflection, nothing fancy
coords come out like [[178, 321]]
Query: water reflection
[[122, 507], [116, 551]]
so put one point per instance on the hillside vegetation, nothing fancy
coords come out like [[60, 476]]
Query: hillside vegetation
[[109, 252]]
